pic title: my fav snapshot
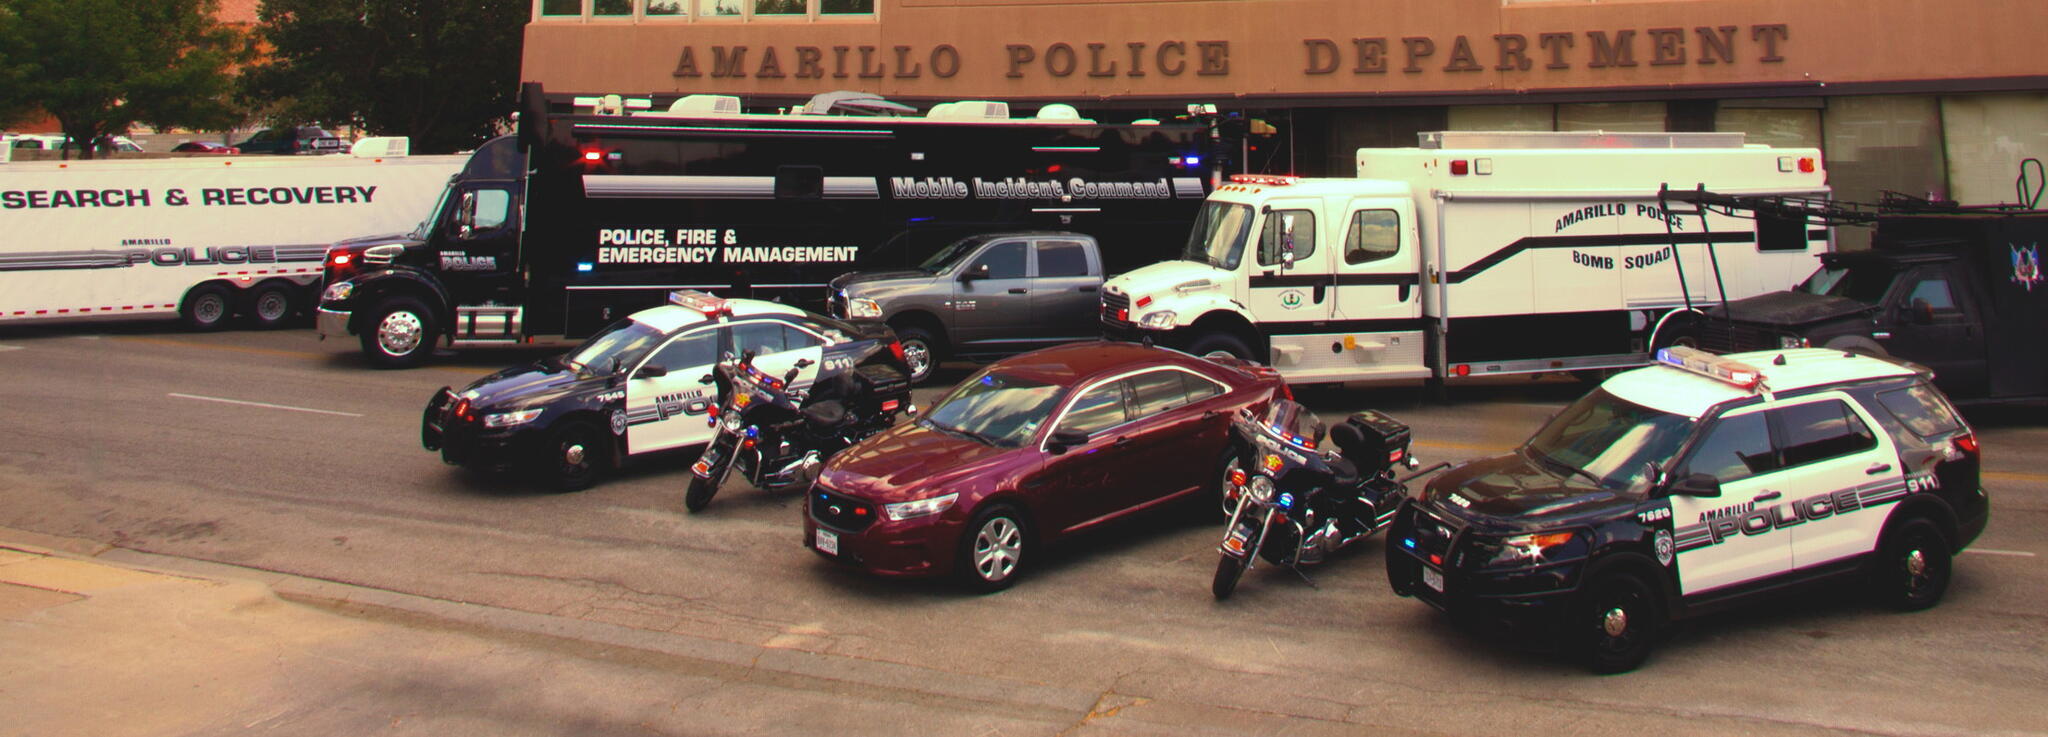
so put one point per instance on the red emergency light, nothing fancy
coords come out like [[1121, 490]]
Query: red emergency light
[[1276, 180]]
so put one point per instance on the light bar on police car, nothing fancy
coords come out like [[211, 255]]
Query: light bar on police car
[[700, 301], [1707, 364], [1269, 179]]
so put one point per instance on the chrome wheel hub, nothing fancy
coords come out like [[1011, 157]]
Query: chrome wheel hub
[[997, 546], [399, 333], [271, 306], [919, 356], [210, 308], [1614, 622], [1916, 565], [573, 454]]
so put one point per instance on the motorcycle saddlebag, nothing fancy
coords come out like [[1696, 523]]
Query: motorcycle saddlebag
[[1379, 438]]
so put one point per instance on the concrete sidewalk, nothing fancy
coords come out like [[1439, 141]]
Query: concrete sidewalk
[[111, 642]]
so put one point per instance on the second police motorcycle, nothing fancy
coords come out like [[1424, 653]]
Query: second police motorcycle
[[1293, 501]]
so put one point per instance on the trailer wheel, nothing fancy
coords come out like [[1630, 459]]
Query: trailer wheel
[[399, 334], [269, 305], [206, 307]]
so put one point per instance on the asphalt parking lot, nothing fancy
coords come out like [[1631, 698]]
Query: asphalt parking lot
[[275, 452]]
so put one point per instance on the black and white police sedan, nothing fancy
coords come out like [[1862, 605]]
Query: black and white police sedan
[[639, 386], [1698, 483]]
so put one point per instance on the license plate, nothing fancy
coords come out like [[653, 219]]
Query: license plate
[[1433, 578], [827, 542]]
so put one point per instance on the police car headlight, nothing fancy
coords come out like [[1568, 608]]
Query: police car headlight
[[1791, 341], [1527, 549], [1161, 320], [920, 508], [508, 419], [1262, 488], [863, 307], [338, 291]]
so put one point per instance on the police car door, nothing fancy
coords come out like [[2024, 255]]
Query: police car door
[[778, 347], [1377, 298], [1290, 282], [1844, 468], [666, 406], [1716, 539]]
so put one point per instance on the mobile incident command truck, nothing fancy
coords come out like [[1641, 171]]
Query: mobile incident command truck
[[583, 218], [197, 238], [1472, 254]]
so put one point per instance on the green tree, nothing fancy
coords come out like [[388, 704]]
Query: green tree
[[444, 73], [100, 66]]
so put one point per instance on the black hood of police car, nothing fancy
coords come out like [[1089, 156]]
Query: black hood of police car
[[1515, 491], [535, 384]]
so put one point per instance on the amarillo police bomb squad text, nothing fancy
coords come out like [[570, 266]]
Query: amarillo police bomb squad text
[[44, 199]]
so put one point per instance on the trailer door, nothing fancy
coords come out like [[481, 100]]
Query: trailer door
[[1377, 303]]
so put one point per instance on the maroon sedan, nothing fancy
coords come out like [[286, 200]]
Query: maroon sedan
[[1029, 450]]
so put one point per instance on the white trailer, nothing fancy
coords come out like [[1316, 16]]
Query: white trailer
[[200, 238], [1473, 254]]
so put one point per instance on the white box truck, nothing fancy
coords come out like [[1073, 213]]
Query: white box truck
[[197, 238], [1473, 254]]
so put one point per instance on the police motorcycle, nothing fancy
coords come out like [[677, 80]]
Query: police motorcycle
[[778, 436], [1292, 501]]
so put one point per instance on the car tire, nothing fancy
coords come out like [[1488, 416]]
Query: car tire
[[206, 308], [1914, 565], [269, 306], [576, 456], [1617, 622], [920, 352], [399, 334], [992, 550], [1228, 571], [1221, 344]]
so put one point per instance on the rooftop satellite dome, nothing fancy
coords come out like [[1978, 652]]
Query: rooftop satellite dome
[[1059, 111], [848, 102]]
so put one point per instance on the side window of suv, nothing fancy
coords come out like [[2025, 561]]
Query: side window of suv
[[1737, 448], [1921, 409], [1004, 261], [1817, 431]]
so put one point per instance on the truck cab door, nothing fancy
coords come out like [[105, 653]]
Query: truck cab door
[[482, 243], [1378, 295], [1935, 320], [1292, 287], [1065, 285], [668, 410], [992, 295]]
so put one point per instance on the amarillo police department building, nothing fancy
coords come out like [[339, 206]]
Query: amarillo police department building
[[1917, 96]]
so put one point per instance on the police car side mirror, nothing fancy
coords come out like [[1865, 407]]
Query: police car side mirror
[[1699, 484], [1064, 439], [707, 379], [651, 371]]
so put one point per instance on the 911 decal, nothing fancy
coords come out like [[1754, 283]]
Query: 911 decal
[[1715, 527]]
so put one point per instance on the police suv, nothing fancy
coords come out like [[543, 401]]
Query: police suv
[[1697, 483], [644, 384]]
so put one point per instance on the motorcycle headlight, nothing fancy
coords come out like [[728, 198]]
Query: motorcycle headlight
[[1262, 488], [1161, 320], [338, 291], [508, 419], [863, 307], [732, 421], [920, 508]]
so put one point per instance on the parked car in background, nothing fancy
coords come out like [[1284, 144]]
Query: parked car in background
[[305, 139], [122, 144], [204, 147], [1029, 450], [35, 141]]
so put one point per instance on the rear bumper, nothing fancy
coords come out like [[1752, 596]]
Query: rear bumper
[[331, 323]]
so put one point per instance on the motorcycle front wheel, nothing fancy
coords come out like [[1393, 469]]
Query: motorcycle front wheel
[[1228, 570], [700, 493]]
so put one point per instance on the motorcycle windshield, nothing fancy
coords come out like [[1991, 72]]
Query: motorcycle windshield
[[1291, 422]]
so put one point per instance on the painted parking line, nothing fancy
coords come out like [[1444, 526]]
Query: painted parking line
[[312, 355], [2007, 553], [264, 405], [5, 348]]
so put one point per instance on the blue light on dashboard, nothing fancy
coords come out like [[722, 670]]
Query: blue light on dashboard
[[988, 381], [1192, 161], [1408, 542], [585, 266]]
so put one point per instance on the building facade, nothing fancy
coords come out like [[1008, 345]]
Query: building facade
[[1939, 98]]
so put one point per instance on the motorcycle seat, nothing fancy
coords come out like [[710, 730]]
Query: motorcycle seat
[[1351, 444], [828, 413], [1344, 471]]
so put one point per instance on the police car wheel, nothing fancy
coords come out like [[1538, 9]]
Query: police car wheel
[[1914, 566], [400, 333], [206, 307], [576, 458], [992, 551], [920, 351], [269, 306], [1617, 624]]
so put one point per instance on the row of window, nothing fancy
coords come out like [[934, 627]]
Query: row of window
[[1136, 397], [683, 9], [1743, 445], [1374, 235]]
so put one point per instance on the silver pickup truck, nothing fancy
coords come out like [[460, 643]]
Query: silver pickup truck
[[983, 296]]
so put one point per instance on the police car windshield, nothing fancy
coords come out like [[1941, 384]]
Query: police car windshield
[[995, 409], [1609, 440], [1219, 235], [624, 341]]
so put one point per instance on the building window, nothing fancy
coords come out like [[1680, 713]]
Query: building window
[[611, 8], [1502, 118], [1882, 142], [720, 8], [560, 8], [666, 8], [779, 7], [1630, 117], [1789, 122], [1988, 136], [846, 7]]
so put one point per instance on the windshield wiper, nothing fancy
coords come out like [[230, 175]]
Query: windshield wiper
[[1568, 467], [961, 431]]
